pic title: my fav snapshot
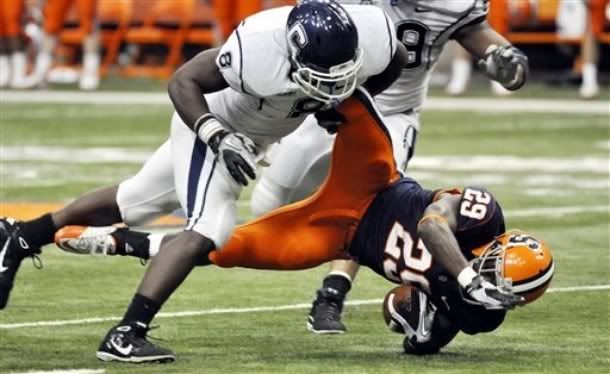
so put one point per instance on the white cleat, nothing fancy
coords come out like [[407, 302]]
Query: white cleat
[[588, 91], [86, 240], [499, 90]]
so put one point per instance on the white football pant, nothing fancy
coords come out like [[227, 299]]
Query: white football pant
[[184, 173]]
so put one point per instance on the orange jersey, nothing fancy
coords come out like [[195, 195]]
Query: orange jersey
[[11, 12], [55, 12], [318, 229]]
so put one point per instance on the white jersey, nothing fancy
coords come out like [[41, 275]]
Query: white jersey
[[262, 101], [424, 27]]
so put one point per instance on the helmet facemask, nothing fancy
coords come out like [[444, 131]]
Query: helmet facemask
[[329, 87], [490, 265]]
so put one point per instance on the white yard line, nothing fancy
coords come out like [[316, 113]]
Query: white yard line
[[194, 313], [432, 103], [557, 211], [63, 371]]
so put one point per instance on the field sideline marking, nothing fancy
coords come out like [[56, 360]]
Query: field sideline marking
[[431, 103], [9, 326], [62, 371]]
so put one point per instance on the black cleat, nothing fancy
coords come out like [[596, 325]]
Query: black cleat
[[325, 314], [13, 249], [127, 343]]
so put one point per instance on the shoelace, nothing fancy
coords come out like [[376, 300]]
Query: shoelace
[[153, 337], [36, 261], [332, 308]]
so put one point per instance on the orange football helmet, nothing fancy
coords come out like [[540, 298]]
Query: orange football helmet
[[517, 262]]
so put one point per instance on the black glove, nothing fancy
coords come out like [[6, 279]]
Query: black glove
[[330, 120], [237, 153], [507, 65]]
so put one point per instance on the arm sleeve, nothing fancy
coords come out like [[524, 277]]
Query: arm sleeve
[[476, 15], [230, 61], [377, 40]]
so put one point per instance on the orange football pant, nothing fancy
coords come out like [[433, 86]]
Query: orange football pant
[[55, 12], [10, 18], [318, 229]]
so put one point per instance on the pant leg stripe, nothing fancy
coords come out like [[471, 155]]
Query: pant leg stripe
[[197, 160], [205, 193]]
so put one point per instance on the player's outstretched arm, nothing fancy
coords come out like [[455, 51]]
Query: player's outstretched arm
[[436, 229], [198, 76], [500, 60], [378, 83]]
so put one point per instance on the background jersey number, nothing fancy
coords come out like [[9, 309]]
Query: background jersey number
[[413, 36]]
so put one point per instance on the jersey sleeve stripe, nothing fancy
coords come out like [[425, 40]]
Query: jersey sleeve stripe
[[475, 21], [390, 34], [241, 61]]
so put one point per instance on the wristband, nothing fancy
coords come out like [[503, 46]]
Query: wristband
[[206, 126], [466, 276]]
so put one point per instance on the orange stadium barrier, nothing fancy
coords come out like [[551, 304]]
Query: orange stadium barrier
[[505, 15], [114, 17], [10, 18], [167, 23], [173, 23]]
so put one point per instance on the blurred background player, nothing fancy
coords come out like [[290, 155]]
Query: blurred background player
[[300, 161], [577, 22], [55, 12], [13, 62]]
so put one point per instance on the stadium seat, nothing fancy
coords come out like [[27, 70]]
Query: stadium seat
[[203, 26], [113, 17], [166, 23]]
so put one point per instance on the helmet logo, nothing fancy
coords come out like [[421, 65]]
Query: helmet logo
[[297, 36], [526, 241]]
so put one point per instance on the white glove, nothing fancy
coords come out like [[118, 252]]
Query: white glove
[[481, 292], [507, 65]]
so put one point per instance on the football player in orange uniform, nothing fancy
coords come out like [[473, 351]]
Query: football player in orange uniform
[[451, 244], [54, 15], [12, 56]]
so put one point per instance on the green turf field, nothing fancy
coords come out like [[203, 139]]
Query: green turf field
[[550, 171]]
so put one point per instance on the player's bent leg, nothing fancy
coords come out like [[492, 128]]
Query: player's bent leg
[[136, 201], [19, 240], [325, 314], [165, 273]]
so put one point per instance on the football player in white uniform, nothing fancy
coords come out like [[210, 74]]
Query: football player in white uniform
[[300, 161], [276, 68]]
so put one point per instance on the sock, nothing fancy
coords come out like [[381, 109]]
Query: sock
[[132, 243], [141, 311], [5, 70], [40, 231], [589, 74], [155, 244], [339, 282], [19, 64]]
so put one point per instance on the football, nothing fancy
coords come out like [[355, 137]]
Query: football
[[397, 301]]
